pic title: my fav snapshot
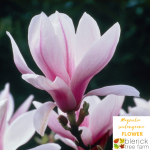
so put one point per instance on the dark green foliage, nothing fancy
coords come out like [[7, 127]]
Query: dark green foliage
[[130, 64]]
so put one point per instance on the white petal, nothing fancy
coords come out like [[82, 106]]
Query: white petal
[[5, 94], [93, 102], [66, 141], [87, 33], [41, 117], [23, 108], [37, 104], [86, 135], [11, 107], [20, 131], [115, 89], [123, 113], [138, 111], [49, 146], [140, 102], [3, 124]]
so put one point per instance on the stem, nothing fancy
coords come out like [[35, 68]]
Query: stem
[[72, 117], [75, 130]]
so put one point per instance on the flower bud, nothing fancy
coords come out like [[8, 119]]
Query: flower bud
[[63, 120], [82, 115], [86, 107]]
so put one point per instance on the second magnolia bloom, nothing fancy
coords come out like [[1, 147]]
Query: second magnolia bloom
[[97, 126], [69, 60]]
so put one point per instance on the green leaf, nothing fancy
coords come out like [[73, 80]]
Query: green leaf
[[116, 146]]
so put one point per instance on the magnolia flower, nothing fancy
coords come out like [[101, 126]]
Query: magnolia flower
[[69, 60], [142, 108], [49, 146], [5, 94], [97, 126], [18, 132]]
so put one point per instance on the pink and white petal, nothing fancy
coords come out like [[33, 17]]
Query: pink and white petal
[[140, 102], [107, 108], [66, 141], [18, 59], [20, 131], [149, 104], [41, 117], [3, 124], [37, 104], [61, 112], [49, 146], [11, 107], [138, 111], [23, 108], [5, 94], [96, 58], [65, 33], [115, 89], [86, 135], [93, 102], [87, 33], [123, 113], [55, 126], [45, 48], [58, 89]]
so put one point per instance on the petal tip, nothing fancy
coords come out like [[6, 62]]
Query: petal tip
[[7, 33]]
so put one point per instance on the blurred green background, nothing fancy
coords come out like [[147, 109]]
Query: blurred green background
[[130, 64]]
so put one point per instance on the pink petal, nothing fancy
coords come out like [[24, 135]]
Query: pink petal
[[11, 107], [41, 117], [140, 102], [86, 135], [5, 94], [37, 104], [23, 108], [56, 126], [93, 102], [3, 115], [115, 89], [66, 141], [45, 48], [18, 59], [20, 131], [138, 111], [65, 32], [101, 118], [60, 92], [49, 146], [87, 33], [96, 58]]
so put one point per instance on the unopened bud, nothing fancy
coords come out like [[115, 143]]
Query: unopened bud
[[63, 120], [82, 115], [86, 107]]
